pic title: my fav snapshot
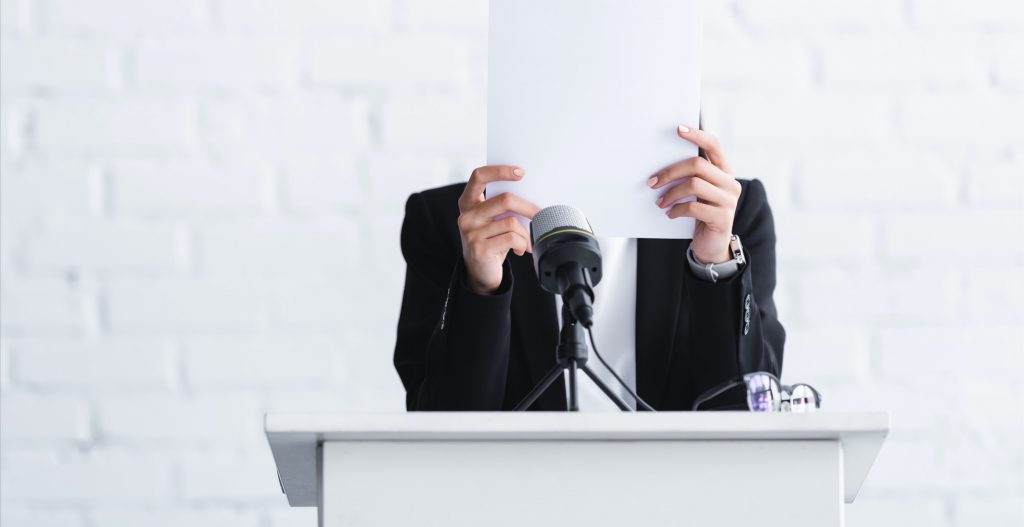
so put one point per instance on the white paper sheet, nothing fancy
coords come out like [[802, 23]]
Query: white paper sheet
[[586, 95]]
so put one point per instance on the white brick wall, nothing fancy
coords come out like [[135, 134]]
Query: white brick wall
[[199, 197]]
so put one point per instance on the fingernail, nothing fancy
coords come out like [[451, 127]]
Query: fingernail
[[660, 199], [651, 181], [683, 129], [518, 172], [668, 213]]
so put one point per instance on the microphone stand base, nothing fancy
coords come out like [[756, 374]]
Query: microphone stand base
[[571, 356]]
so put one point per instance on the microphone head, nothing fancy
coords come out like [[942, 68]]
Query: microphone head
[[558, 218], [567, 258]]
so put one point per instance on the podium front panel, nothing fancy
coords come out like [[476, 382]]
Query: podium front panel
[[646, 482]]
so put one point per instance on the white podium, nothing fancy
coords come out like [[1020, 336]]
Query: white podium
[[513, 469]]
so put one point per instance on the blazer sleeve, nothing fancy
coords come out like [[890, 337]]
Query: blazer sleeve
[[453, 344], [736, 329]]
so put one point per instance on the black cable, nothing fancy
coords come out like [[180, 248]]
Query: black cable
[[715, 391], [639, 402]]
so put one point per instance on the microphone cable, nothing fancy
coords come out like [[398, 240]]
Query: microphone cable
[[639, 402]]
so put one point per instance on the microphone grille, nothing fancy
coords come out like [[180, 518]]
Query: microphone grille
[[558, 217]]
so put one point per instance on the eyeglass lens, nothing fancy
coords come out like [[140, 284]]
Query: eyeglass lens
[[802, 399], [762, 393]]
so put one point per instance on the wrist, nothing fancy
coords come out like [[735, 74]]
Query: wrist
[[484, 282], [480, 288], [723, 256], [713, 271]]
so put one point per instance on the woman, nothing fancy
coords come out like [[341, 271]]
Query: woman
[[476, 331]]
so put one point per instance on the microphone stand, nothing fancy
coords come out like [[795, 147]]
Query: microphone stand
[[571, 355]]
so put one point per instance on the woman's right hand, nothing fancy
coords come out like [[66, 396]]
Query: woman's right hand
[[486, 240]]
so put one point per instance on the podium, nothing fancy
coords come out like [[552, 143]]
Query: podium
[[560, 468]]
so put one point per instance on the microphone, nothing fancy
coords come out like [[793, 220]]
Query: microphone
[[567, 258]]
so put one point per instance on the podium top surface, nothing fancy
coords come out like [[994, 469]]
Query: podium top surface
[[580, 425], [294, 438]]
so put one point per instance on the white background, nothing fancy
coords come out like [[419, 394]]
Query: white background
[[201, 202]]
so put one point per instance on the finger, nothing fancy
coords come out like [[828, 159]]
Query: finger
[[502, 226], [709, 214], [709, 143], [695, 166], [503, 243], [485, 212], [695, 186], [478, 180]]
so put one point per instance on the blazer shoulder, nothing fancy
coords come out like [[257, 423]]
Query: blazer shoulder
[[752, 207], [439, 203], [439, 207], [443, 196], [433, 213], [752, 195], [752, 198]]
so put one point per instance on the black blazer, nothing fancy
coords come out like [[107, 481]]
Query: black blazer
[[457, 350]]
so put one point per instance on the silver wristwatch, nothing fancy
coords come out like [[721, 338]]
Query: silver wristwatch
[[720, 271]]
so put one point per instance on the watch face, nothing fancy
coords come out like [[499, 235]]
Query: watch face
[[737, 250]]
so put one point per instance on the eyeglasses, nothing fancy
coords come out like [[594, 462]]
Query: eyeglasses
[[766, 394]]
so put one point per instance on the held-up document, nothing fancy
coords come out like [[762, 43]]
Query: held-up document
[[585, 96]]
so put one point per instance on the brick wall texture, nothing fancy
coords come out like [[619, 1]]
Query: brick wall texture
[[201, 202]]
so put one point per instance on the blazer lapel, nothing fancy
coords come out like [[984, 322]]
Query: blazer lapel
[[659, 293]]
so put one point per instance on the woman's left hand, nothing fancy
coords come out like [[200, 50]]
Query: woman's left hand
[[715, 188]]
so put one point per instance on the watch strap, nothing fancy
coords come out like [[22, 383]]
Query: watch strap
[[720, 271]]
